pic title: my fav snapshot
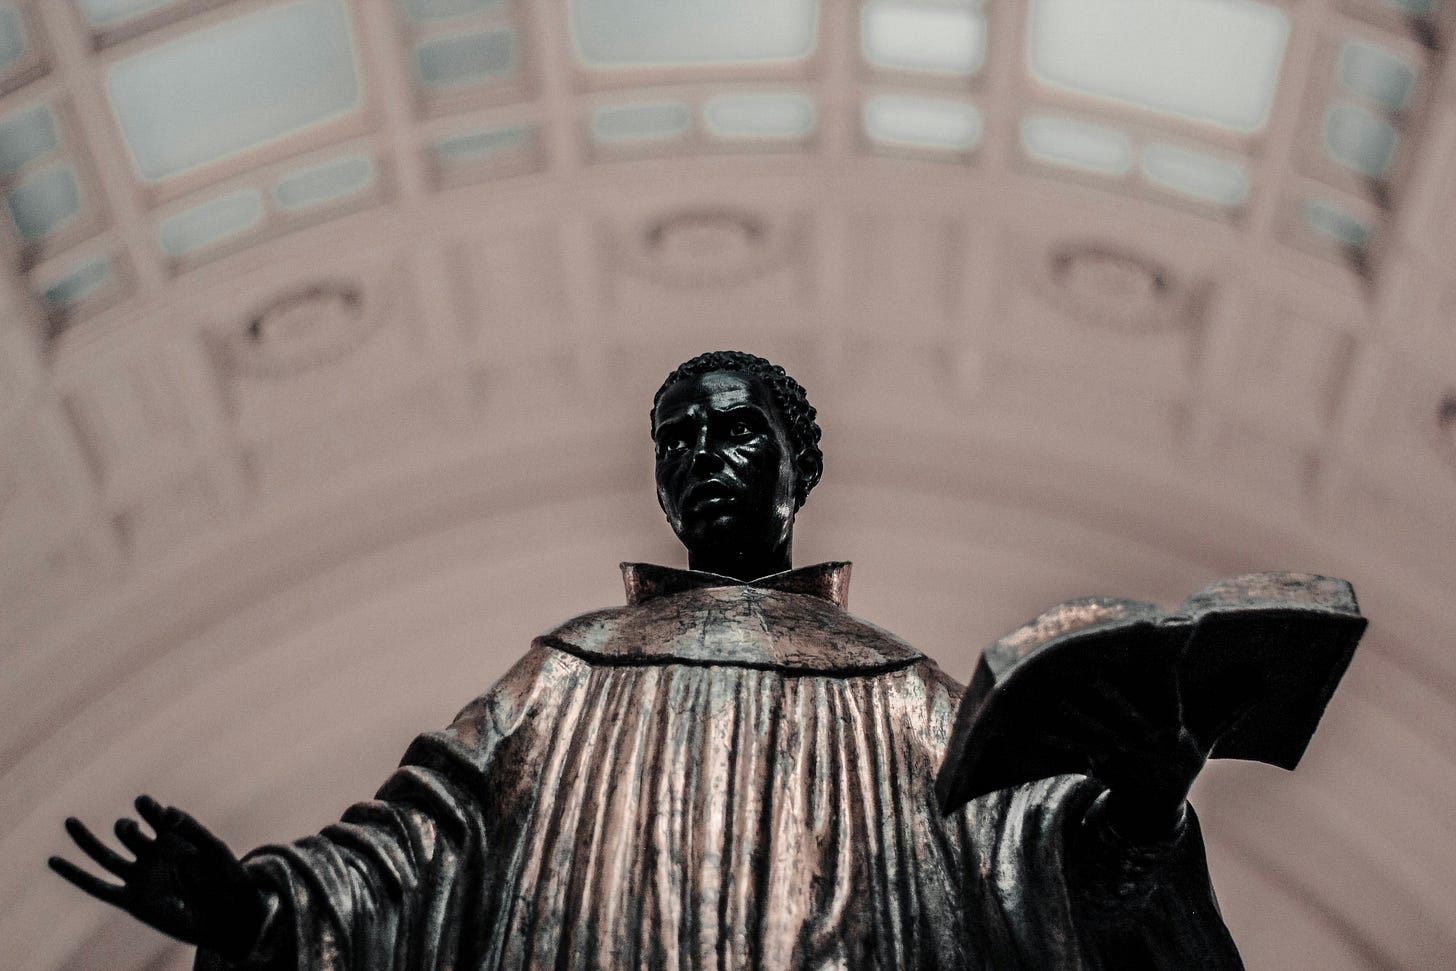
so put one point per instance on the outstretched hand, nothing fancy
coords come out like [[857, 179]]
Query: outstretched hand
[[184, 881]]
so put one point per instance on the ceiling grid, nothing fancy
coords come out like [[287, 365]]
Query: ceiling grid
[[985, 288], [75, 63], [1238, 308], [456, 340], [577, 236], [432, 292], [836, 137]]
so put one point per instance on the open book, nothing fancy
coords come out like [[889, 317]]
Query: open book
[[1248, 665]]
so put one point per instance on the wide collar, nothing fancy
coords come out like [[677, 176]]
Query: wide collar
[[793, 622], [827, 581]]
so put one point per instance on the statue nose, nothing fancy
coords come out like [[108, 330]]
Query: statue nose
[[706, 460]]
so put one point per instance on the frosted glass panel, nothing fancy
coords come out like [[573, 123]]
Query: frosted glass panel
[[324, 183], [1334, 223], [1414, 6], [622, 33], [1222, 182], [78, 284], [922, 122], [1215, 61], [1358, 139], [1077, 144], [473, 148], [210, 223], [105, 13], [240, 84], [12, 35], [759, 115], [44, 202], [923, 37], [466, 58], [440, 9], [667, 119], [1376, 74], [25, 136]]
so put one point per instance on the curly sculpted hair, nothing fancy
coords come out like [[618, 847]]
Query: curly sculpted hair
[[787, 393]]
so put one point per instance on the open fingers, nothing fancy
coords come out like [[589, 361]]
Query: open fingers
[[159, 817], [97, 850], [109, 892], [129, 831]]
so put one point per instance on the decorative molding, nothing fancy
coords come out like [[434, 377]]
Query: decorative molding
[[1110, 286], [301, 329], [1445, 427], [711, 245]]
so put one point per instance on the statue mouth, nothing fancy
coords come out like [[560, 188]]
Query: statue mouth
[[708, 492]]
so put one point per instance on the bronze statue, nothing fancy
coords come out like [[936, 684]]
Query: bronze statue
[[730, 771]]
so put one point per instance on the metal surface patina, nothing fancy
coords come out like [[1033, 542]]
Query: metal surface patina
[[732, 771]]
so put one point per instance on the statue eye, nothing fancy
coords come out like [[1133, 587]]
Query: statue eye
[[672, 442], [741, 430]]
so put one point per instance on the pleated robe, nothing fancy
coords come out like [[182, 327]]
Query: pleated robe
[[716, 776]]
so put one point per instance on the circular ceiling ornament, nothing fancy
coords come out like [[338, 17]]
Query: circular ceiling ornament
[[1446, 427], [708, 246], [1108, 286], [303, 328]]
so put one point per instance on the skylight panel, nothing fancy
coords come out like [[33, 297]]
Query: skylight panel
[[930, 123], [465, 59], [639, 33], [478, 147], [641, 122], [422, 10], [1416, 7], [45, 201], [1214, 61], [759, 115], [25, 136], [319, 184], [911, 36], [1358, 139], [1376, 74], [1206, 178], [78, 284], [235, 86], [210, 223], [12, 35], [1076, 144], [1333, 224], [109, 13]]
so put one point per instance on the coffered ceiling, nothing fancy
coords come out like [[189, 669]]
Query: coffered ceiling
[[329, 330]]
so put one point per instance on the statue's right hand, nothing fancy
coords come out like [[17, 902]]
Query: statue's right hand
[[184, 881]]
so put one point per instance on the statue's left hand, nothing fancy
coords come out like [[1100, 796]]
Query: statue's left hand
[[184, 881], [1144, 755]]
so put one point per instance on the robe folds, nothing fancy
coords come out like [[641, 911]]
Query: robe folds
[[717, 776]]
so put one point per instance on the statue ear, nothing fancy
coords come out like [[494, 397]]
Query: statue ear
[[810, 465]]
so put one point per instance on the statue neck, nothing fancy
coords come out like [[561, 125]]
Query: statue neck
[[743, 563]]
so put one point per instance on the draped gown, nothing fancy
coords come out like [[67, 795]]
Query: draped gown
[[720, 775]]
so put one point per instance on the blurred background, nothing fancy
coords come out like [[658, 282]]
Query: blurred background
[[330, 328]]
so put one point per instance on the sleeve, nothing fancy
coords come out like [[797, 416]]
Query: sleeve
[[1046, 890], [402, 881], [1147, 905]]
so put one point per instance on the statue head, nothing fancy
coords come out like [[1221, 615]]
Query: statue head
[[737, 455]]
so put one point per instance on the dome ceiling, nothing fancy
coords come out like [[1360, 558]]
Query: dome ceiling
[[329, 330]]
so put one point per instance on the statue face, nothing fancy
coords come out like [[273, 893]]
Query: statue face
[[725, 469]]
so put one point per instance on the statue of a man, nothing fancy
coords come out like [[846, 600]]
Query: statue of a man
[[730, 771]]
